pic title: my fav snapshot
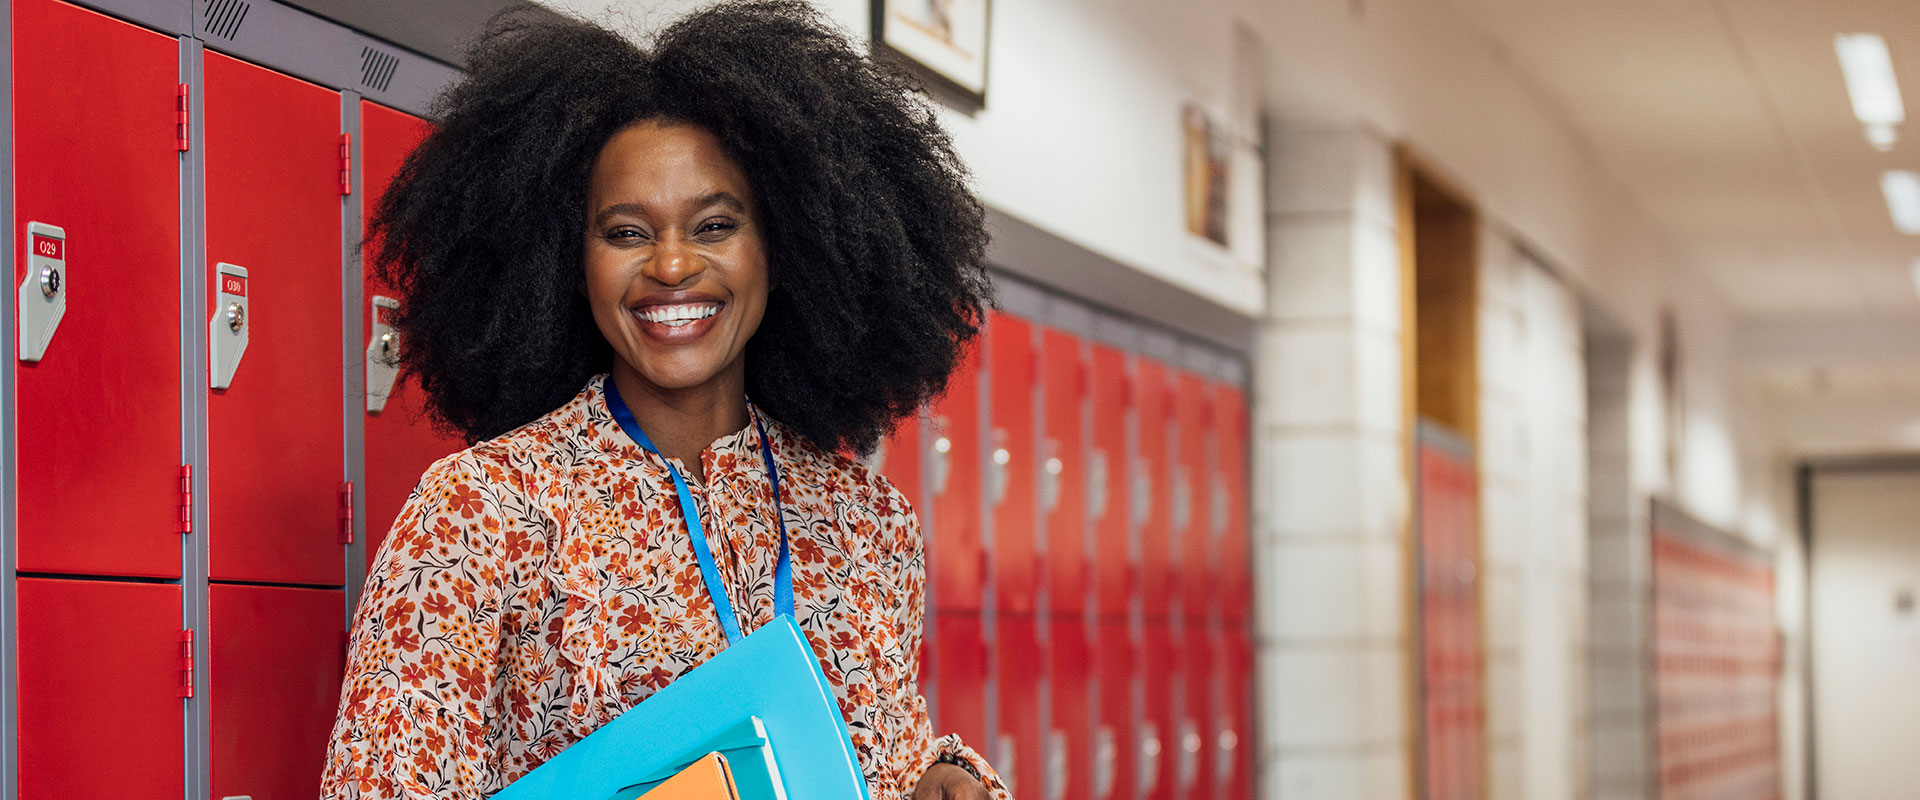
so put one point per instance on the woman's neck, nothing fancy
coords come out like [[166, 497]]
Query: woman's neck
[[683, 422]]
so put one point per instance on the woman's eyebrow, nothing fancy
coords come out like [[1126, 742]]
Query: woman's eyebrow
[[723, 198]]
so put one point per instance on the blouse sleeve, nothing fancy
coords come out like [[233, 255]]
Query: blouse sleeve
[[914, 746], [420, 673]]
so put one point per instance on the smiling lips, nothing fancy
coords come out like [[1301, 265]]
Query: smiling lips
[[676, 323]]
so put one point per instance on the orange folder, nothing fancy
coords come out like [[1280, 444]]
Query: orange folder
[[705, 779]]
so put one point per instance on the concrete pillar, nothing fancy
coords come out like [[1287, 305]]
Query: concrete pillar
[[1331, 483]]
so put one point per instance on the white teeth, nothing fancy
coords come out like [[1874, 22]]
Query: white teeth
[[678, 315]]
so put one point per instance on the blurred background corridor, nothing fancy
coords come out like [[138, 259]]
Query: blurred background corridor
[[1389, 399]]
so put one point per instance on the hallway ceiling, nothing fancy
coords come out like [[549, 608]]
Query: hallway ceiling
[[1729, 122]]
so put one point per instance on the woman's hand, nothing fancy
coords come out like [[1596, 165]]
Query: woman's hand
[[948, 782]]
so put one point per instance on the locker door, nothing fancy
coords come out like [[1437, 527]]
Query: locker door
[[100, 689], [960, 647], [898, 459], [1236, 568], [1020, 751], [1063, 475], [1013, 461], [1196, 739], [1151, 490], [1070, 745], [957, 562], [1107, 482], [1159, 733], [275, 434], [99, 411], [1233, 756], [1195, 545], [400, 443], [278, 655], [1114, 740]]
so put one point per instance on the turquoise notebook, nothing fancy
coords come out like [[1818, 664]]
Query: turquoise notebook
[[769, 677]]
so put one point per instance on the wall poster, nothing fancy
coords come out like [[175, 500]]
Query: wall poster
[[945, 39]]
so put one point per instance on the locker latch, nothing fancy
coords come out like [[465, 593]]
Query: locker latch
[[939, 464], [1105, 754], [1147, 769], [1003, 761], [998, 473], [1142, 492], [43, 294], [1050, 477], [1057, 774], [383, 353], [346, 512], [186, 662], [1189, 753], [227, 330], [1223, 755]]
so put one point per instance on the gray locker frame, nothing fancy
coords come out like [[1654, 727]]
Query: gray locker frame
[[297, 43]]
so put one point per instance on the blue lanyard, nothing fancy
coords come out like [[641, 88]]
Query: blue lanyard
[[782, 571]]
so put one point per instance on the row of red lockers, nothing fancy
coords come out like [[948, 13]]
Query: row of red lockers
[[101, 489], [1100, 637]]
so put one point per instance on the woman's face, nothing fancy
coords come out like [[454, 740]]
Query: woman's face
[[676, 266]]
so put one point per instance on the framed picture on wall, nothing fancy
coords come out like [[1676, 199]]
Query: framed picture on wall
[[945, 40]]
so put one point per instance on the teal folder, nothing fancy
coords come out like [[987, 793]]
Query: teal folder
[[769, 677]]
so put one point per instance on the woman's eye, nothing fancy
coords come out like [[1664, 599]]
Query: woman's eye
[[625, 235], [715, 229]]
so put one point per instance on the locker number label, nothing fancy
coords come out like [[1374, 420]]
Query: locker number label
[[235, 285], [43, 293]]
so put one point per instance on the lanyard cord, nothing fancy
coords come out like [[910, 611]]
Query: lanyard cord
[[709, 571]]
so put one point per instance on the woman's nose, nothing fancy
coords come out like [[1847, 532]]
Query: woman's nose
[[674, 261]]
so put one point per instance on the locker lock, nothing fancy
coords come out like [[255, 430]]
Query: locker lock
[[383, 353], [1004, 750], [227, 330], [1147, 769], [236, 317], [42, 298], [1105, 755], [1190, 743]]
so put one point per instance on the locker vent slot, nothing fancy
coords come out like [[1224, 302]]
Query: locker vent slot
[[223, 17], [377, 68]]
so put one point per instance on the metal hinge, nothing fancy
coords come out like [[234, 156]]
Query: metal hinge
[[186, 662], [346, 512], [186, 499], [180, 117], [346, 163]]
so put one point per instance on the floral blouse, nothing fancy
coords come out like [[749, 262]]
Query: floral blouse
[[539, 584]]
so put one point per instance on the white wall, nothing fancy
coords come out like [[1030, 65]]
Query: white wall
[[1081, 133]]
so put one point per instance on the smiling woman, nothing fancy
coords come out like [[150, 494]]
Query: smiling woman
[[669, 293]]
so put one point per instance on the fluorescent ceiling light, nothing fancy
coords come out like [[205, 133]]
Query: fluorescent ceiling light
[[1868, 68], [1902, 188]]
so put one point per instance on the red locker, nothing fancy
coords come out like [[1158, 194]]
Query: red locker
[[1020, 750], [1196, 739], [1193, 532], [898, 460], [1070, 745], [1159, 732], [99, 410], [278, 655], [1063, 474], [960, 649], [1114, 761], [100, 689], [1152, 490], [1012, 463], [1108, 483], [1236, 569], [1234, 744], [276, 433], [400, 443], [956, 559]]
